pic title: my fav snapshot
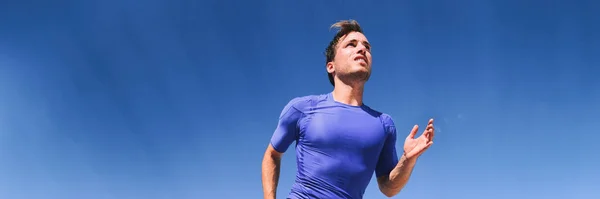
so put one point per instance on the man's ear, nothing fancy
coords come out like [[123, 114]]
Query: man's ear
[[330, 68]]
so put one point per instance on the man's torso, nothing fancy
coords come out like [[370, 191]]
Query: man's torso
[[337, 150]]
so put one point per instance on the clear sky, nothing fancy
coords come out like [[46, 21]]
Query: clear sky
[[178, 99]]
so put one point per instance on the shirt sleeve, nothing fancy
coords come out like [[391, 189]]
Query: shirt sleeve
[[287, 128], [388, 158]]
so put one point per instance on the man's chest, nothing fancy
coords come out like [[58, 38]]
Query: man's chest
[[343, 130]]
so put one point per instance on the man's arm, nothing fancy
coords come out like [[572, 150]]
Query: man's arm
[[270, 172], [391, 184], [285, 133]]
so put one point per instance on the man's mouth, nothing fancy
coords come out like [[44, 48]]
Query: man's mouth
[[360, 58]]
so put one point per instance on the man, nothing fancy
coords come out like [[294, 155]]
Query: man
[[340, 141]]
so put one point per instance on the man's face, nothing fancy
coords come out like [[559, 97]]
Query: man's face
[[352, 62]]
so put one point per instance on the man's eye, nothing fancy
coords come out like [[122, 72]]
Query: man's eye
[[351, 44]]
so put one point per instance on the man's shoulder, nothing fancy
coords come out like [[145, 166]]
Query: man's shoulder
[[306, 102], [387, 119]]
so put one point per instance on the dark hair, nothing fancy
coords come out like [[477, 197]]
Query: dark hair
[[345, 28]]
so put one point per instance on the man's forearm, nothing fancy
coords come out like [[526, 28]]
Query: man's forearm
[[270, 175], [398, 176]]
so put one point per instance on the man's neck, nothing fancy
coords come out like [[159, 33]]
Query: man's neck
[[347, 94]]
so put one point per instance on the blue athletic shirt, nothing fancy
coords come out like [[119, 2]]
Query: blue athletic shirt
[[338, 146]]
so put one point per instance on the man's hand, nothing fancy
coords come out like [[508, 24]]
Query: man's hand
[[414, 147]]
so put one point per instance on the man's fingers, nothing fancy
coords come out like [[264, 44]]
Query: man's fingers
[[429, 144], [430, 131], [413, 132]]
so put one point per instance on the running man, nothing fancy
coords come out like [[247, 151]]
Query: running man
[[340, 141]]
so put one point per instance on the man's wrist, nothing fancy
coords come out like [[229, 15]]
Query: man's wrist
[[408, 159]]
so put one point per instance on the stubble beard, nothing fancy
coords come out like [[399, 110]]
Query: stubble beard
[[355, 77]]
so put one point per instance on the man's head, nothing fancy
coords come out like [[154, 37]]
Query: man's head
[[348, 56]]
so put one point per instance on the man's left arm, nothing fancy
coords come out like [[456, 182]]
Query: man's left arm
[[392, 184], [392, 180]]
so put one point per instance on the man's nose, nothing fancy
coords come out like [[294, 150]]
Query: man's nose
[[362, 49]]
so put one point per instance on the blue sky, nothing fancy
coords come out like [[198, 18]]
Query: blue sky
[[178, 99]]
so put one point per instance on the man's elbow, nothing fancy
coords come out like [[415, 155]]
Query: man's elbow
[[389, 193], [386, 189]]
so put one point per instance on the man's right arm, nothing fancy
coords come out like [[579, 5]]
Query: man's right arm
[[285, 133], [270, 172]]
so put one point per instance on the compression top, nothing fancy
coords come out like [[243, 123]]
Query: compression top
[[338, 146]]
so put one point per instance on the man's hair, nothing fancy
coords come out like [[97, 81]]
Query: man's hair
[[345, 27]]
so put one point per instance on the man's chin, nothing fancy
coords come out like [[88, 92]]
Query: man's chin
[[363, 71], [360, 75]]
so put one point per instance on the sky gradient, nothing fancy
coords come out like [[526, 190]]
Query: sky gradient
[[178, 99]]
